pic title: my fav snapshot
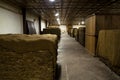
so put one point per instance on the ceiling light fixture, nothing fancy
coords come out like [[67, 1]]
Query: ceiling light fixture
[[57, 14], [82, 22], [51, 0], [58, 20]]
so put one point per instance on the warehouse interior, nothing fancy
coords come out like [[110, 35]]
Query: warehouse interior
[[59, 40]]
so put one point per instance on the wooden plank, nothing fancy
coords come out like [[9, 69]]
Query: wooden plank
[[25, 30]]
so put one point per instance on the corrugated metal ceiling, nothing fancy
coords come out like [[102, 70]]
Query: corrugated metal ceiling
[[70, 11]]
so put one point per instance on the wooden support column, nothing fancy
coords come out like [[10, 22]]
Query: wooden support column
[[24, 21], [40, 25], [46, 24], [50, 23]]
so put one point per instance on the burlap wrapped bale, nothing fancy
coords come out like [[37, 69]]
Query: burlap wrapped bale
[[71, 32], [56, 31], [24, 43], [109, 46], [74, 29], [81, 35], [27, 43], [50, 37], [75, 32], [21, 44], [26, 66]]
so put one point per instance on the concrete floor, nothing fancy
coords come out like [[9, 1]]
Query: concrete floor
[[77, 64]]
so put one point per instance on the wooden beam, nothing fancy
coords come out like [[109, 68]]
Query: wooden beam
[[46, 24], [24, 21]]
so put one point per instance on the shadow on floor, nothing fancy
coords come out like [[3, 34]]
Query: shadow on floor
[[58, 72]]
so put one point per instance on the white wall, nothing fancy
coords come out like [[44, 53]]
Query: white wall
[[43, 25], [63, 28], [36, 23], [77, 26], [10, 22], [34, 18]]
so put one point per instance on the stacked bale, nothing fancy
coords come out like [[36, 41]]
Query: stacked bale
[[75, 32], [56, 31], [81, 36], [51, 37], [69, 27], [108, 46], [26, 66], [71, 32], [26, 57]]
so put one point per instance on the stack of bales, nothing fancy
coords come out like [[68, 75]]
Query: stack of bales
[[56, 31], [71, 32], [75, 32], [81, 34], [69, 27], [108, 47], [26, 57]]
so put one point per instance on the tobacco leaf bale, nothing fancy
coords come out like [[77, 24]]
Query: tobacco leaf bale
[[71, 32], [56, 31], [26, 66], [75, 32], [82, 36], [20, 43], [28, 43]]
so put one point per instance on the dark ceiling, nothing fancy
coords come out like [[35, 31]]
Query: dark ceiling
[[70, 11]]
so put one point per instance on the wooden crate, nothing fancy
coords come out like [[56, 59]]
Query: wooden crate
[[71, 32], [99, 22], [90, 25], [108, 46], [75, 32], [77, 35], [81, 36]]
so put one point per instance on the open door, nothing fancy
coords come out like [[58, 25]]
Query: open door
[[30, 27]]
